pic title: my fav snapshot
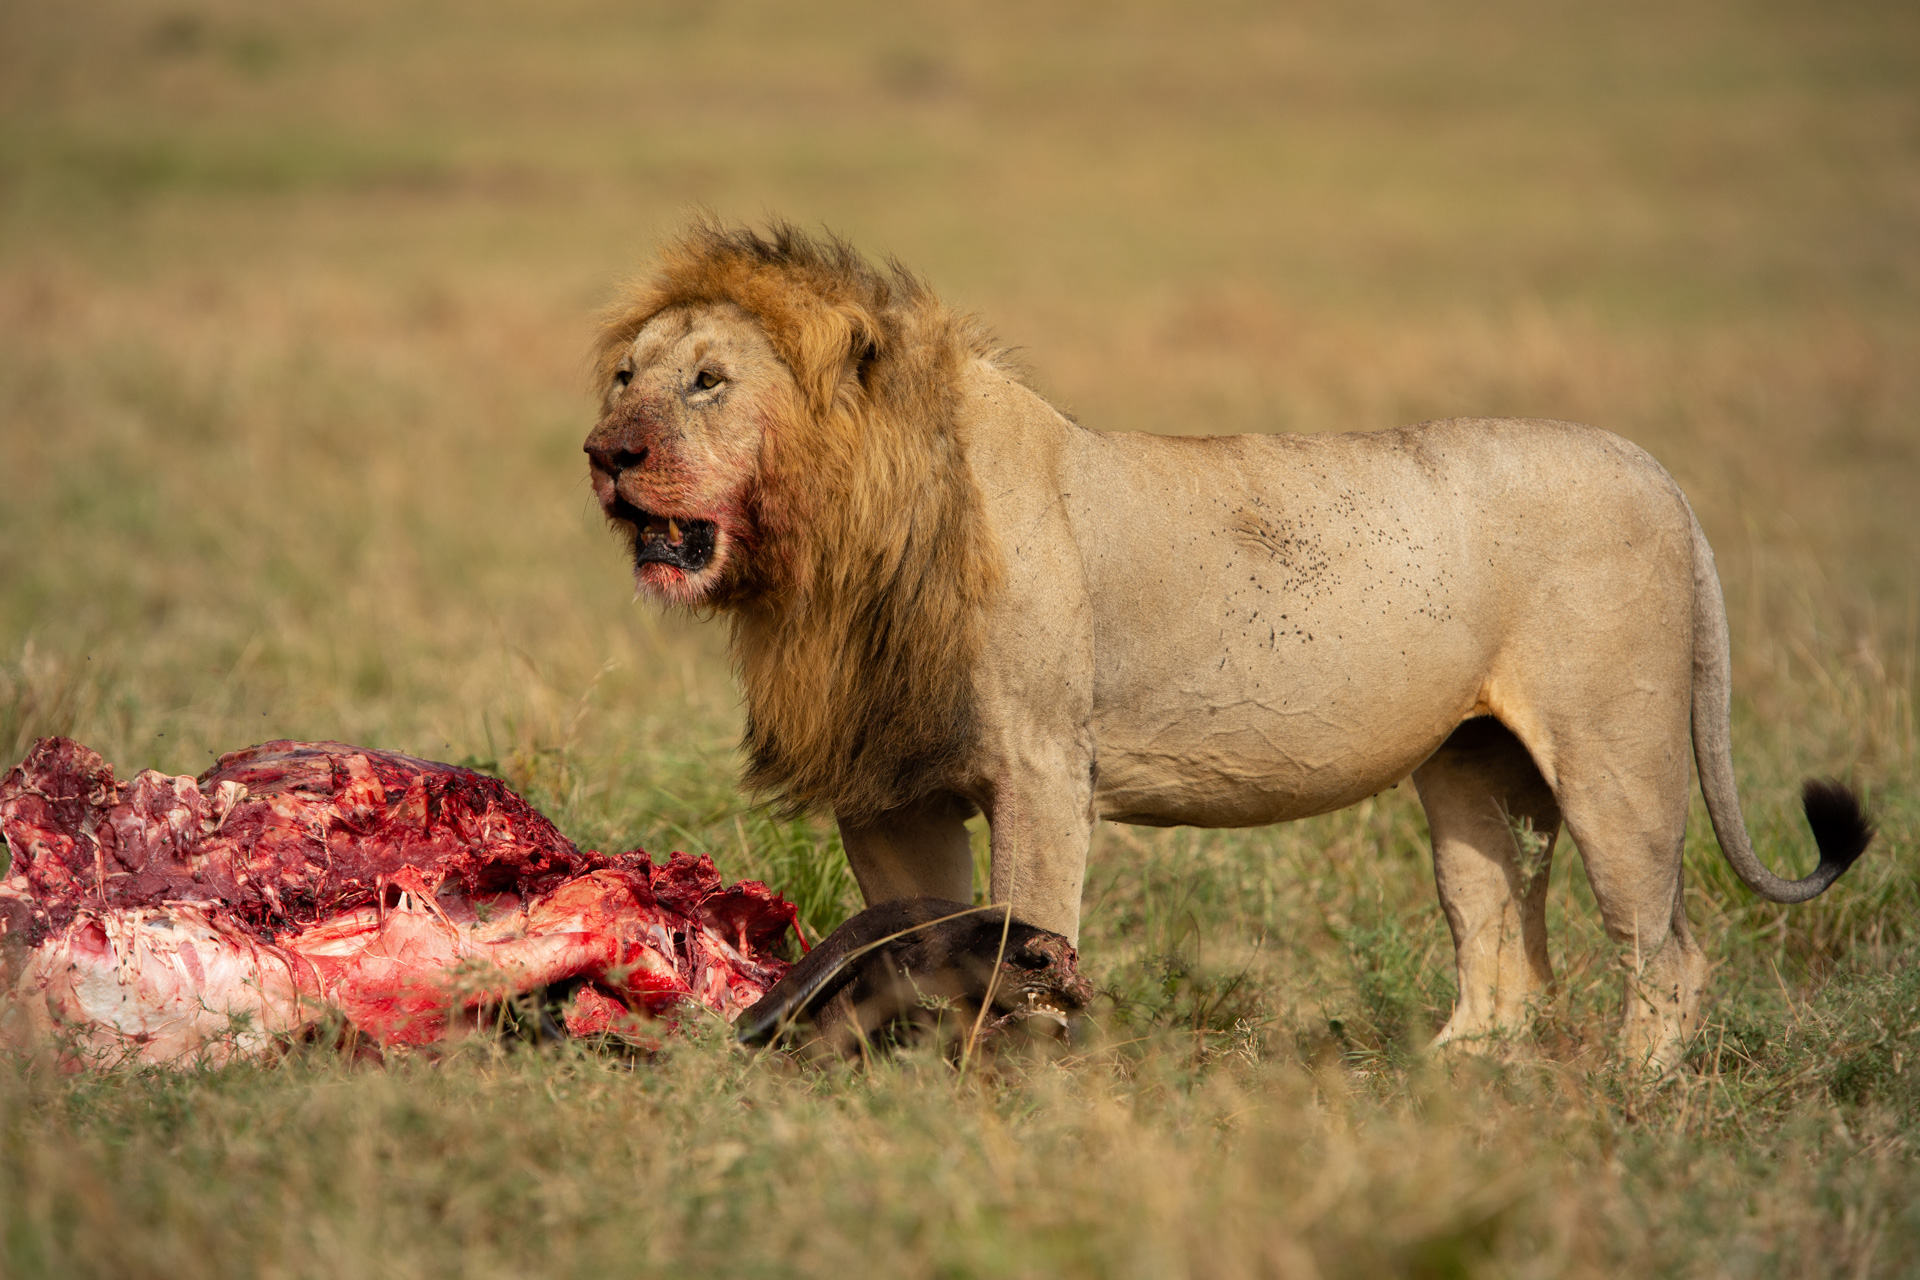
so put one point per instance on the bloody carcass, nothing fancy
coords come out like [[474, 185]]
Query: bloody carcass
[[297, 885]]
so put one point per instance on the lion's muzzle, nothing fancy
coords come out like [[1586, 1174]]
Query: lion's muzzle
[[616, 453]]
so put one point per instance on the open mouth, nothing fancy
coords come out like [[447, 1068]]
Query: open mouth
[[683, 543], [1043, 1004]]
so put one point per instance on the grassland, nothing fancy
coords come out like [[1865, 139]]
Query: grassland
[[293, 310]]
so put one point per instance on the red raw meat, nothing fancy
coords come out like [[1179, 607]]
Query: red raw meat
[[174, 918]]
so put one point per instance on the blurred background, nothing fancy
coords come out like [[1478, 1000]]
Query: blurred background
[[295, 300]]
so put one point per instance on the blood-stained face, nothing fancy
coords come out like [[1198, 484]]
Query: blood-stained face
[[676, 453]]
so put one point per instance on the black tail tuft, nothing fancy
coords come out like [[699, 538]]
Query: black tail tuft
[[1841, 827]]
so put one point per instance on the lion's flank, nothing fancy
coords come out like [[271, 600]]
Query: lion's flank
[[857, 627]]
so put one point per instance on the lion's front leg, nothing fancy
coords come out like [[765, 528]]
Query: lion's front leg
[[1042, 823], [920, 851]]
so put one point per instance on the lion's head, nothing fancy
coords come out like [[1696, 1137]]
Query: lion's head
[[779, 440], [676, 454]]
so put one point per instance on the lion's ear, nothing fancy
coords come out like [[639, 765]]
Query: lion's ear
[[831, 344], [863, 361], [863, 343]]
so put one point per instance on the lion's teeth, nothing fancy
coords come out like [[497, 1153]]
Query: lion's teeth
[[673, 529]]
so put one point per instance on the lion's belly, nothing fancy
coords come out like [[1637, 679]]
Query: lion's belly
[[1273, 638], [1265, 735]]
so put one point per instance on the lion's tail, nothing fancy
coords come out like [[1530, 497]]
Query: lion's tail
[[1840, 825]]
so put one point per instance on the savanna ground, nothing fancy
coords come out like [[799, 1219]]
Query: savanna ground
[[294, 303]]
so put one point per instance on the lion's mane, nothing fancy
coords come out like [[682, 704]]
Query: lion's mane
[[858, 616]]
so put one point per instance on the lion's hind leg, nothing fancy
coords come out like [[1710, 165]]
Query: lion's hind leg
[[1630, 829], [1494, 820], [1620, 772]]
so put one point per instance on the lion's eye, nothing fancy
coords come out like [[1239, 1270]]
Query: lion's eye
[[622, 377], [707, 380]]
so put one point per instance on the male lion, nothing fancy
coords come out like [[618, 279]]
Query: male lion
[[946, 594]]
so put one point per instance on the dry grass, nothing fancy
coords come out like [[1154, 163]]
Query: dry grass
[[294, 309]]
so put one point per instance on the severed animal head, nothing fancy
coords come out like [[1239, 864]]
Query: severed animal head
[[898, 967]]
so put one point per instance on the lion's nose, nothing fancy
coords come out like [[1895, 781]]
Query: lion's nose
[[615, 461]]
